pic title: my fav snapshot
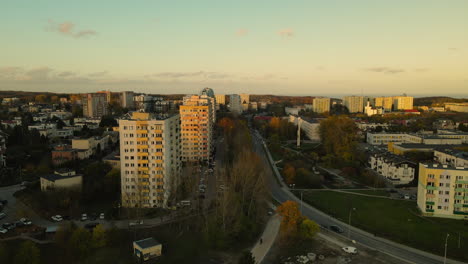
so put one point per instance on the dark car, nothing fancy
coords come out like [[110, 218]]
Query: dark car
[[91, 225], [19, 224], [8, 226], [4, 202], [336, 229], [93, 217]]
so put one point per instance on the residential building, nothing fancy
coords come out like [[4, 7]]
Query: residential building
[[395, 168], [402, 103], [355, 104], [108, 95], [253, 106], [197, 123], [370, 111], [384, 102], [63, 153], [443, 124], [292, 110], [220, 100], [235, 104], [385, 138], [321, 105], [309, 126], [86, 147], [143, 102], [113, 159], [443, 190], [457, 107], [3, 139], [451, 156], [61, 179], [126, 100], [95, 105], [208, 93], [150, 163], [245, 100], [147, 248]]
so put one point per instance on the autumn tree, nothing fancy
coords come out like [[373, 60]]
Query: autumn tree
[[308, 229], [289, 173], [80, 242], [339, 138], [28, 253], [290, 218], [98, 237]]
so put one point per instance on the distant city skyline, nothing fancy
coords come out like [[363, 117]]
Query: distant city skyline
[[316, 48]]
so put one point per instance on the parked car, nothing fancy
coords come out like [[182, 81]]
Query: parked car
[[407, 196], [3, 230], [84, 217], [9, 226], [336, 229], [135, 223], [19, 224], [2, 215], [4, 202], [93, 217], [57, 218], [350, 250], [102, 216], [25, 221]]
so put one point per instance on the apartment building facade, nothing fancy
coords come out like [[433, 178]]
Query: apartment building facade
[[197, 122], [402, 103], [355, 104], [393, 167], [126, 100], [443, 191], [321, 105], [94, 105], [149, 159], [235, 104]]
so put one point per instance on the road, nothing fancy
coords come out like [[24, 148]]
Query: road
[[282, 194]]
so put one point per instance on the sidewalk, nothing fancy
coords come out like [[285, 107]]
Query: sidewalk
[[269, 236]]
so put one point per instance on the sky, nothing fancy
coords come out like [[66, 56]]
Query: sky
[[312, 47]]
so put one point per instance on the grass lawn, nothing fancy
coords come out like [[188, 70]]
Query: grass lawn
[[372, 192], [395, 220]]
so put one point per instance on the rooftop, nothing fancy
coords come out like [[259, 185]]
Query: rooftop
[[147, 242], [55, 177], [433, 165]]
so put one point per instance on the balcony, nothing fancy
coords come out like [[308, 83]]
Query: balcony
[[429, 210], [430, 203], [428, 187], [460, 213]]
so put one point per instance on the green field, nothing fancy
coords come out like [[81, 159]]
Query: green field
[[396, 220], [371, 192]]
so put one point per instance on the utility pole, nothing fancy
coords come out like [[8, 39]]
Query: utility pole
[[445, 254]]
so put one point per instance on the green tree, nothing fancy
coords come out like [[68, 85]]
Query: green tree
[[308, 229], [246, 258], [28, 253], [80, 243], [99, 237]]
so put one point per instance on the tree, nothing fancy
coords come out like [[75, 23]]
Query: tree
[[80, 242], [99, 237], [246, 258], [108, 121], [289, 173], [291, 217], [305, 178], [40, 98], [308, 229], [28, 254]]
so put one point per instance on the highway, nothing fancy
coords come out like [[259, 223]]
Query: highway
[[401, 252]]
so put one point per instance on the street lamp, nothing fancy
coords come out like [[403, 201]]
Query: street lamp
[[445, 254], [349, 222]]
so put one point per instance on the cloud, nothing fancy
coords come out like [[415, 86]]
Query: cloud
[[453, 49], [98, 74], [68, 29], [385, 70], [242, 32], [41, 73], [66, 74], [421, 69], [189, 75], [287, 32]]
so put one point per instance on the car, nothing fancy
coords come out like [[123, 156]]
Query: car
[[336, 229], [350, 250], [25, 221], [93, 217], [19, 224], [135, 223], [3, 230], [24, 184], [84, 217], [407, 196], [57, 218], [9, 226], [91, 225], [2, 215], [102, 216], [4, 202]]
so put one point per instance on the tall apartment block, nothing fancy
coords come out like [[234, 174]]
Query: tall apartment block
[[94, 105], [402, 103], [197, 121], [245, 100], [321, 105], [149, 159], [385, 102], [355, 104], [126, 100], [235, 103], [220, 100], [443, 191], [108, 95]]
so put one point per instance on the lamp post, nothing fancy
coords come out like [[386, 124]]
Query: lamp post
[[445, 254], [349, 222]]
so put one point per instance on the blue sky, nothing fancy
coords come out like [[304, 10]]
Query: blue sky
[[283, 47]]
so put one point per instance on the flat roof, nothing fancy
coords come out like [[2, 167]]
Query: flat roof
[[147, 242], [54, 177]]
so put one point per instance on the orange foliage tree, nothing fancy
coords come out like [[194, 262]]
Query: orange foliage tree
[[291, 218], [289, 173]]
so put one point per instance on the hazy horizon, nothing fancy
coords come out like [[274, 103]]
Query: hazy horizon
[[304, 47]]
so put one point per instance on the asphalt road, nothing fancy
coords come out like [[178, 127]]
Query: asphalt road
[[404, 253]]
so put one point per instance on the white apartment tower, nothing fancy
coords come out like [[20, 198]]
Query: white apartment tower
[[150, 159], [126, 100], [235, 103], [355, 104], [321, 105]]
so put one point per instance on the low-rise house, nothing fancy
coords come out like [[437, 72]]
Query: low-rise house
[[113, 159], [63, 153], [147, 248], [309, 126], [452, 157], [61, 179], [11, 123], [61, 114], [395, 168], [385, 138]]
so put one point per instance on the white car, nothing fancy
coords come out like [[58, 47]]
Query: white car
[[350, 250], [102, 216], [57, 218], [3, 230], [84, 217], [26, 221]]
